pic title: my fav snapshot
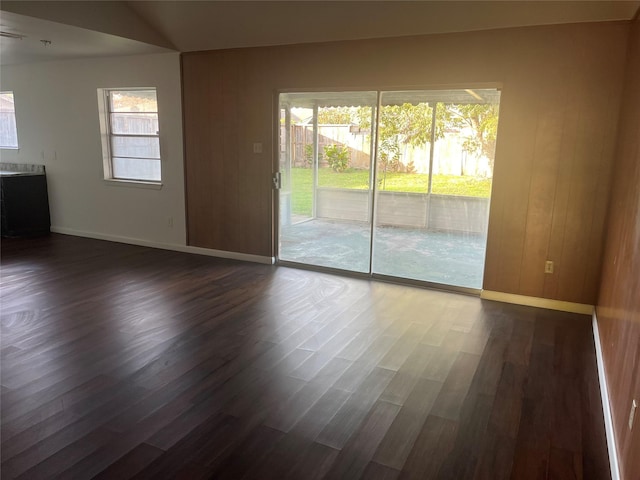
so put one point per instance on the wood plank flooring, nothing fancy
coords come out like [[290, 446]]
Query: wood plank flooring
[[126, 362]]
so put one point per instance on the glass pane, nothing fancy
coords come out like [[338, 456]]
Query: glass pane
[[403, 147], [344, 147], [134, 123], [325, 151], [133, 100], [463, 156], [139, 147], [8, 130], [136, 169], [301, 163], [434, 231]]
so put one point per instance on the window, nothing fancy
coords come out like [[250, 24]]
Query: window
[[131, 141], [8, 131]]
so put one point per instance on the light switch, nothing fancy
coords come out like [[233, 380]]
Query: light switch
[[257, 148]]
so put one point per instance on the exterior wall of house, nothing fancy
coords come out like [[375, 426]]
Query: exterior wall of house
[[58, 126], [618, 308], [561, 90]]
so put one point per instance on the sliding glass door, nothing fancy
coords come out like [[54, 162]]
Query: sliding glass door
[[434, 170], [393, 183], [326, 167]]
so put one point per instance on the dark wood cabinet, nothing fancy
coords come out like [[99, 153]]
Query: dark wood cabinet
[[24, 204]]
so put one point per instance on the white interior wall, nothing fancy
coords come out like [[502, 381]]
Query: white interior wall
[[58, 126]]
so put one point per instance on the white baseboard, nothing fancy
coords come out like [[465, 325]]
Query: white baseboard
[[606, 406], [167, 246], [537, 302]]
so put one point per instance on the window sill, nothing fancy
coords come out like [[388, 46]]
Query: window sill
[[132, 183]]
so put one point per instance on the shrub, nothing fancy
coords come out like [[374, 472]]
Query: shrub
[[389, 156], [337, 157], [308, 156]]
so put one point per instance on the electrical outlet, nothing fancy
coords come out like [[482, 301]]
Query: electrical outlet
[[632, 413], [548, 266]]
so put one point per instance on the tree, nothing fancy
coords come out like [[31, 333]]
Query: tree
[[399, 125], [410, 124], [335, 115], [481, 121]]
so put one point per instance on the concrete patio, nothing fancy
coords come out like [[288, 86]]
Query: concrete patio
[[448, 258]]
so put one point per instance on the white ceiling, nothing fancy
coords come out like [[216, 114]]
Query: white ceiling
[[85, 28], [66, 41], [208, 25]]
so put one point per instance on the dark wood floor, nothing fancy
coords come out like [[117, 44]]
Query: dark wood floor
[[125, 362]]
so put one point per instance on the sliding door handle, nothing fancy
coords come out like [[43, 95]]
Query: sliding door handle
[[277, 181]]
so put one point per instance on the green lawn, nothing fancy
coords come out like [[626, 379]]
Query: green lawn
[[395, 182]]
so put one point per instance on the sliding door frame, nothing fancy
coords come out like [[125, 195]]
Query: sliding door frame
[[373, 175]]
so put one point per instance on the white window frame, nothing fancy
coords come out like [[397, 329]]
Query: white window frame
[[104, 110], [17, 145]]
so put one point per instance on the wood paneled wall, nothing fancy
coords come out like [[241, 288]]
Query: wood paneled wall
[[618, 308], [561, 89]]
